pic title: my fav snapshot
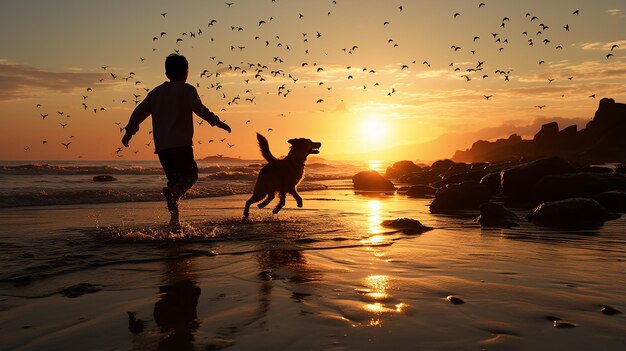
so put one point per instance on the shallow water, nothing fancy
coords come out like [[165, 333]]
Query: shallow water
[[326, 276]]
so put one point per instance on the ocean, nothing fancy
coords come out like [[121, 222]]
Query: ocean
[[89, 265]]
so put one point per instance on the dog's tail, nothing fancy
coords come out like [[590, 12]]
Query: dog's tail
[[265, 148]]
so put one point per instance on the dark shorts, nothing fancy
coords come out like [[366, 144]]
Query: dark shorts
[[179, 165]]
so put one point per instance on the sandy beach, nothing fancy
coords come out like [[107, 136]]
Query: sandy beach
[[325, 277]]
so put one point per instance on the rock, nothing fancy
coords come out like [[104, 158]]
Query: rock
[[492, 181], [563, 324], [457, 168], [460, 196], [575, 213], [517, 181], [402, 190], [479, 166], [547, 137], [455, 300], [104, 178], [420, 191], [595, 169], [371, 181], [609, 311], [496, 215], [460, 178], [512, 148], [563, 186], [425, 177], [601, 141], [614, 201], [401, 168], [80, 289], [406, 225], [442, 164]]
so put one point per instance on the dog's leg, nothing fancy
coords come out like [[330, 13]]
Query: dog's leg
[[296, 196], [265, 202], [281, 202], [256, 197]]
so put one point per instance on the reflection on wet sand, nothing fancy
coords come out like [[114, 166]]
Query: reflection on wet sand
[[377, 286], [176, 310], [284, 264]]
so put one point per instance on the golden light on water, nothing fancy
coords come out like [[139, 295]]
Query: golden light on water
[[377, 291], [373, 217], [373, 223], [375, 165], [377, 282]]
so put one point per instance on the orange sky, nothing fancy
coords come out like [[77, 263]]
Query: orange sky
[[375, 91]]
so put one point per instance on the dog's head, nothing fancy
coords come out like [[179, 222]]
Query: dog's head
[[304, 146]]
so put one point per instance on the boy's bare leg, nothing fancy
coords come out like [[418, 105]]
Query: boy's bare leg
[[172, 206], [173, 194]]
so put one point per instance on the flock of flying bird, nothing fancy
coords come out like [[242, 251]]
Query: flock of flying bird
[[285, 76]]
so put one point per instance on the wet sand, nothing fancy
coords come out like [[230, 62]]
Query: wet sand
[[325, 277]]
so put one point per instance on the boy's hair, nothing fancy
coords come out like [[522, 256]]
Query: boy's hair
[[176, 66]]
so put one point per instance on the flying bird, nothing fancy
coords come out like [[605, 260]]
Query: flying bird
[[66, 145]]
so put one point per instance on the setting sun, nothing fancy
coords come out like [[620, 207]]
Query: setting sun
[[374, 129]]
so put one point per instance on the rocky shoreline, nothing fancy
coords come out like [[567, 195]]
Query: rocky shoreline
[[575, 183]]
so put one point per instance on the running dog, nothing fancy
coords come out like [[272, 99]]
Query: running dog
[[282, 175]]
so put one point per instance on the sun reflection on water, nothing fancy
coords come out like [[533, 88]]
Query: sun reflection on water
[[377, 291], [375, 165], [373, 218], [374, 229]]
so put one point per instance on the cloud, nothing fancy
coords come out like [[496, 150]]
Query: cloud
[[614, 12], [19, 81], [598, 45]]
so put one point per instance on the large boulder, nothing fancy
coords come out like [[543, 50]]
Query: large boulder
[[492, 182], [442, 164], [406, 225], [420, 191], [371, 181], [460, 177], [457, 168], [518, 181], [460, 196], [602, 140], [424, 177], [496, 215], [562, 186], [574, 213], [614, 201], [400, 168], [547, 137]]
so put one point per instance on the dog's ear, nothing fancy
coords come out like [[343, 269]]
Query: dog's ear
[[292, 141]]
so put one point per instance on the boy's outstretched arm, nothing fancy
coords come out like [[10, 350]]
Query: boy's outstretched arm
[[141, 112], [204, 113]]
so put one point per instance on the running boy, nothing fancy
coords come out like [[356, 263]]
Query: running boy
[[172, 105]]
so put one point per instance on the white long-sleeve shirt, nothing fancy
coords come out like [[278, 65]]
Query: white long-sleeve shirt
[[171, 105]]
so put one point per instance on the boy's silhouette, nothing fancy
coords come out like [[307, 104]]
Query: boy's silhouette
[[172, 105]]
